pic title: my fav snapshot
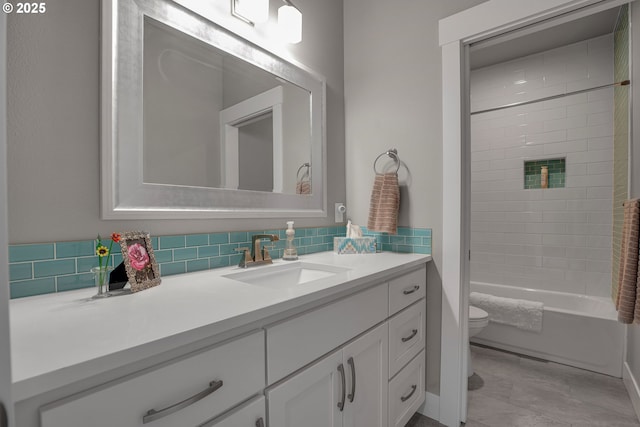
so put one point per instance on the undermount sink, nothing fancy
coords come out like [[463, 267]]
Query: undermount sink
[[286, 275]]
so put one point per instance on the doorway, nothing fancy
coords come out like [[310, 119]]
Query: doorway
[[457, 33]]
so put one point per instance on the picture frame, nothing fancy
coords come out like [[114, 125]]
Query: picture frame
[[139, 260]]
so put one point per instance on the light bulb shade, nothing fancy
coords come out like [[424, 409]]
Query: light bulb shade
[[290, 23], [255, 11]]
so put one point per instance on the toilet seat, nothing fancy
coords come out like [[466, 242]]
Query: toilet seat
[[478, 317]]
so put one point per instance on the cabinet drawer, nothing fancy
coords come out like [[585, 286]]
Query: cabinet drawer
[[407, 289], [301, 340], [249, 415], [181, 392], [406, 392], [406, 336]]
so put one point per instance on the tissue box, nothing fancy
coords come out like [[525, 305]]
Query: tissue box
[[357, 245]]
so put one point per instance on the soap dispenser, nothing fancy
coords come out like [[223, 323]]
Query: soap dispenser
[[290, 251]]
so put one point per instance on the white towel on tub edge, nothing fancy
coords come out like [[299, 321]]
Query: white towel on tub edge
[[522, 314]]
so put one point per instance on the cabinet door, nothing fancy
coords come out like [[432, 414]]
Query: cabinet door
[[366, 364], [310, 398]]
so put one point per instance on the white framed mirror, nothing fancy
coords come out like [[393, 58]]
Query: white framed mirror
[[197, 122]]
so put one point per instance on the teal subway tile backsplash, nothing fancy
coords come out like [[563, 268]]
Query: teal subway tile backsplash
[[237, 237], [197, 265], [27, 288], [74, 281], [19, 253], [21, 271], [170, 268], [75, 249], [185, 254], [218, 238], [197, 239], [208, 251], [54, 268], [60, 266], [170, 242], [408, 240]]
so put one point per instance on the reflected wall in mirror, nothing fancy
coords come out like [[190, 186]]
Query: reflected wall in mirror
[[199, 122]]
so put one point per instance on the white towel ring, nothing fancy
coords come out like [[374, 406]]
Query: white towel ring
[[391, 152], [304, 165]]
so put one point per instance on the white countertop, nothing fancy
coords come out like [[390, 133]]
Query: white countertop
[[58, 339]]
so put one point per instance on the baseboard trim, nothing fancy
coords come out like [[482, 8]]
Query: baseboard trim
[[632, 388], [431, 406]]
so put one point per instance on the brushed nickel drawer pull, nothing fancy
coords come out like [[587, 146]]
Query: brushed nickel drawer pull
[[352, 365], [344, 387], [408, 396], [153, 415], [260, 422], [413, 334], [412, 290]]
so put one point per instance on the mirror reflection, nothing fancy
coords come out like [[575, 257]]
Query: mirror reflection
[[214, 120], [197, 122]]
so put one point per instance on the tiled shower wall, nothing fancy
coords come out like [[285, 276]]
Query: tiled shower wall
[[556, 238]]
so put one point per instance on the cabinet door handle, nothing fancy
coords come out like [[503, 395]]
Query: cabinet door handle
[[153, 415], [408, 396], [260, 422], [344, 387], [411, 290], [352, 365], [413, 334]]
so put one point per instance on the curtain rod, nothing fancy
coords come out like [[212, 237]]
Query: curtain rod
[[549, 98]]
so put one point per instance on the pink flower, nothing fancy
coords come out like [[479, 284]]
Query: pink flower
[[138, 256]]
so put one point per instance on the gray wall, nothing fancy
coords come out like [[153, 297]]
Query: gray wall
[[54, 123], [393, 98], [633, 331]]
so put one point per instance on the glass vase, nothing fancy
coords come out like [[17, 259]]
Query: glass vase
[[101, 276]]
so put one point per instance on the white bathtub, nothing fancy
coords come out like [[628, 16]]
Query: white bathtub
[[577, 330]]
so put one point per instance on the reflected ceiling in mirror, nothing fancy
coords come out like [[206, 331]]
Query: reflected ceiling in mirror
[[200, 123]]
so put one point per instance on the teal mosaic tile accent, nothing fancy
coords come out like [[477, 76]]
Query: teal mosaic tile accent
[[36, 269], [532, 173]]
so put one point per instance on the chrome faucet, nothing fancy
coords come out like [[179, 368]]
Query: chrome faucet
[[259, 254]]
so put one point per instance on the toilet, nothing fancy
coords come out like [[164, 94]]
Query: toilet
[[478, 320]]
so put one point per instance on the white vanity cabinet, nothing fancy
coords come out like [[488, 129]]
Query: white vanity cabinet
[[347, 388], [407, 339], [351, 355], [368, 380], [187, 392]]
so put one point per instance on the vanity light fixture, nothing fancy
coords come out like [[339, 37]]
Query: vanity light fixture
[[290, 22], [250, 11]]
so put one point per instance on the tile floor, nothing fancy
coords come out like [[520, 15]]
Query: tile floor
[[508, 390]]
